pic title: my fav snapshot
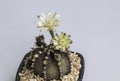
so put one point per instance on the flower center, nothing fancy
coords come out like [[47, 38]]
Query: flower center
[[62, 42]]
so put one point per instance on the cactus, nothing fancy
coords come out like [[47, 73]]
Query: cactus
[[51, 62], [48, 62]]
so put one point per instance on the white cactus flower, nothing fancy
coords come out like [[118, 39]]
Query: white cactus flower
[[48, 21], [62, 41]]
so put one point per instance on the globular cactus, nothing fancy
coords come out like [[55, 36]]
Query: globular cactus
[[48, 62], [51, 62]]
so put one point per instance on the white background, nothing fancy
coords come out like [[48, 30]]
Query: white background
[[94, 26]]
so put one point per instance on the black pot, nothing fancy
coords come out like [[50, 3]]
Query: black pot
[[80, 75]]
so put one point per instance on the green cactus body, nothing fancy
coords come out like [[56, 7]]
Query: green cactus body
[[48, 62]]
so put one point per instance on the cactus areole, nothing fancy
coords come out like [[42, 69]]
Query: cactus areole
[[53, 61]]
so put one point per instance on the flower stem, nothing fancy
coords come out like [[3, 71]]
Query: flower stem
[[51, 33]]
